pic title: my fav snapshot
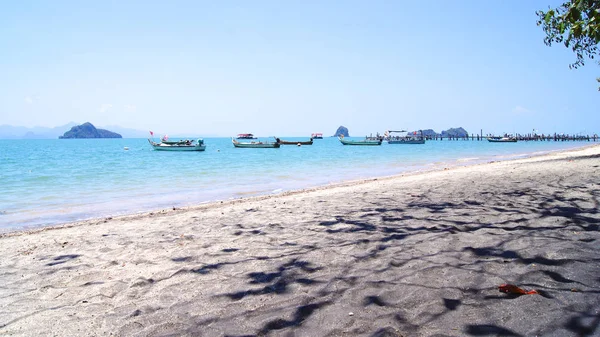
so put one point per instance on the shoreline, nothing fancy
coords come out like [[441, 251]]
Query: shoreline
[[413, 255], [64, 200], [445, 166], [216, 203]]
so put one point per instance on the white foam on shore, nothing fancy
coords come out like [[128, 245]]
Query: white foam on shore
[[179, 193], [467, 159]]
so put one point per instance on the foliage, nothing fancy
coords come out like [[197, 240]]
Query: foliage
[[576, 24]]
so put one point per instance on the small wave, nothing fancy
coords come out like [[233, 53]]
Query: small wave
[[505, 157], [246, 193], [467, 159]]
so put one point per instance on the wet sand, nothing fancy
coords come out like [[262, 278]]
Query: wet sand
[[412, 255]]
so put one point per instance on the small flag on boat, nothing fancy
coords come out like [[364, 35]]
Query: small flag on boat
[[151, 133]]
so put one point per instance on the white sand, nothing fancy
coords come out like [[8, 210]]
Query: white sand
[[414, 255]]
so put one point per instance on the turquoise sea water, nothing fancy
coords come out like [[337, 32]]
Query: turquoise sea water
[[48, 182]]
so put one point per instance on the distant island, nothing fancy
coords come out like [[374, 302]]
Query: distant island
[[87, 130], [341, 131], [452, 132], [455, 132]]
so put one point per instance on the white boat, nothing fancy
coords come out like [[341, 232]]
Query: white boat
[[405, 137], [365, 141], [188, 145], [502, 139], [257, 145]]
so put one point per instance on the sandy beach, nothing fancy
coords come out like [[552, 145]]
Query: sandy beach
[[415, 255]]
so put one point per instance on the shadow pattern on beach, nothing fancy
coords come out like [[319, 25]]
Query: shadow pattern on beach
[[403, 263], [537, 238]]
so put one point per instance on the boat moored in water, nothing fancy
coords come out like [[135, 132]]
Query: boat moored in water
[[257, 145], [406, 141], [316, 135], [404, 137], [245, 136], [176, 142], [187, 145], [360, 142], [502, 139], [291, 142]]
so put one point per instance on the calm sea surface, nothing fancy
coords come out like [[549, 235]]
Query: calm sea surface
[[48, 182]]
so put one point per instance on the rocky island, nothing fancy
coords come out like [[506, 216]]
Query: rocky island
[[452, 132], [455, 132], [341, 131], [88, 130], [430, 133]]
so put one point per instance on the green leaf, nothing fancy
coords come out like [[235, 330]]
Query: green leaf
[[575, 14], [548, 16], [577, 31], [561, 27]]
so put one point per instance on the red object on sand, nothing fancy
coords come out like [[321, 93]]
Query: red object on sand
[[513, 289]]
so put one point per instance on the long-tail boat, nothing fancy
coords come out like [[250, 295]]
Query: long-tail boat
[[405, 137], [257, 144], [360, 142], [292, 142], [502, 139], [188, 145]]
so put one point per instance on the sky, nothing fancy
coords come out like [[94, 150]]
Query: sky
[[291, 68]]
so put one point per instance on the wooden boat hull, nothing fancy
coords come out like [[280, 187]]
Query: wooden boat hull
[[510, 140], [177, 147], [360, 142], [287, 142], [407, 141], [179, 142], [255, 145], [404, 137]]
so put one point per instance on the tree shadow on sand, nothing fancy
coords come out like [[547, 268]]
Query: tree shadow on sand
[[543, 241], [416, 264]]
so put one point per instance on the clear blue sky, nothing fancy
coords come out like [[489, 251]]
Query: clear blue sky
[[290, 67]]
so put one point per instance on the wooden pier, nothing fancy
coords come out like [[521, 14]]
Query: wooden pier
[[527, 138], [531, 137]]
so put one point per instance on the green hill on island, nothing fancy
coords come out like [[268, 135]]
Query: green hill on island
[[88, 130]]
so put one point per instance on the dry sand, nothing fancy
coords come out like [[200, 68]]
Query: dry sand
[[414, 255]]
